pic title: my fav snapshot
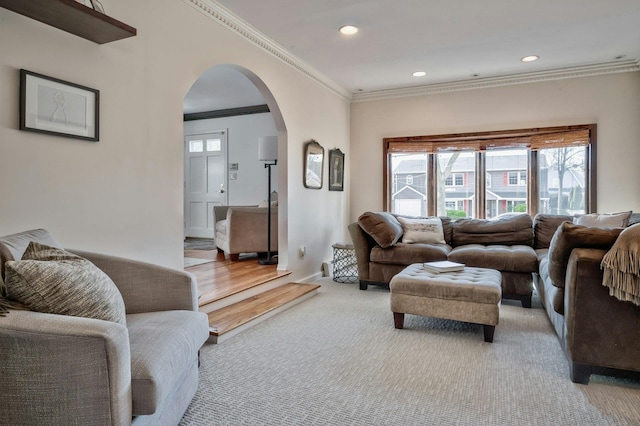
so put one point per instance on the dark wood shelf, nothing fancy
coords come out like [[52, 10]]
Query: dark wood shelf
[[72, 17]]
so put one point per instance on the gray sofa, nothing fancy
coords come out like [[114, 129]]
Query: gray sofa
[[63, 370], [243, 229], [504, 244]]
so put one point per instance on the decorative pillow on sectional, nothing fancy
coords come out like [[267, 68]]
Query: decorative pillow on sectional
[[544, 226], [383, 227], [422, 230], [611, 220], [54, 281], [569, 236]]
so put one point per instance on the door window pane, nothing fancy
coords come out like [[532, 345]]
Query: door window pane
[[213, 145], [562, 180], [408, 184], [453, 188], [196, 146]]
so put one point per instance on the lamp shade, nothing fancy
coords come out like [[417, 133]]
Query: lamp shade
[[267, 148]]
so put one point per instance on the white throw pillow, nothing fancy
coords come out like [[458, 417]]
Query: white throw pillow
[[424, 230], [612, 220]]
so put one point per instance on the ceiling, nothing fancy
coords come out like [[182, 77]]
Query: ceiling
[[451, 40]]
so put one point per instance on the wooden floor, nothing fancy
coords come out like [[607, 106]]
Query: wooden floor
[[223, 277], [238, 294]]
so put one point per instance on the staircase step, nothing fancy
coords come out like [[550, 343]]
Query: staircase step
[[232, 319]]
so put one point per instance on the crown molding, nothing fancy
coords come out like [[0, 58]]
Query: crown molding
[[483, 83], [236, 24], [225, 17]]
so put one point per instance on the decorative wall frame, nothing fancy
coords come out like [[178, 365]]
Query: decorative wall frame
[[336, 170], [57, 107], [313, 165]]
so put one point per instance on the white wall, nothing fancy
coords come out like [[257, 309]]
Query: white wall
[[243, 131], [610, 101], [123, 195]]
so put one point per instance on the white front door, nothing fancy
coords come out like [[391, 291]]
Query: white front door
[[205, 183]]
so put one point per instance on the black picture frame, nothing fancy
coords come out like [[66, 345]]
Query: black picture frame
[[336, 170], [56, 107]]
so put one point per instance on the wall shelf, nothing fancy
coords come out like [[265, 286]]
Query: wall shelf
[[72, 17]]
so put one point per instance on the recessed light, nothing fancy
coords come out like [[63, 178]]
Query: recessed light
[[530, 58], [348, 29], [419, 74]]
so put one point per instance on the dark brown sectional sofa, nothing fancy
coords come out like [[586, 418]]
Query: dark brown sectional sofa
[[505, 244], [598, 333]]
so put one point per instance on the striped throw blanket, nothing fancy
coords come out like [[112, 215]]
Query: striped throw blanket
[[621, 266]]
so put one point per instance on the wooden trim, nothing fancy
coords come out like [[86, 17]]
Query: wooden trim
[[229, 112], [591, 170]]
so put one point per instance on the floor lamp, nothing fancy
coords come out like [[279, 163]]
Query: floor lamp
[[268, 151]]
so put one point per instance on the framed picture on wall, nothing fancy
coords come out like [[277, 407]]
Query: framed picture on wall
[[336, 170], [57, 107], [313, 165]]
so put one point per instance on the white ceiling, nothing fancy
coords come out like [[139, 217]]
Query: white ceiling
[[452, 40]]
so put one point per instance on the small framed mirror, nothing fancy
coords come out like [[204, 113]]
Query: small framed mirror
[[313, 165]]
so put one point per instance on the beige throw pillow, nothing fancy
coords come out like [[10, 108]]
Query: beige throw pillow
[[611, 220], [423, 230], [54, 281]]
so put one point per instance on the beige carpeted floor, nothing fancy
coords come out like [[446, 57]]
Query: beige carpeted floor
[[336, 359]]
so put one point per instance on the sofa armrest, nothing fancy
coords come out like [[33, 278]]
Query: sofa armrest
[[600, 329], [146, 287], [360, 241], [247, 229], [59, 369]]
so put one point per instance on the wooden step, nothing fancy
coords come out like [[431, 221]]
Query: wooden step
[[234, 318]]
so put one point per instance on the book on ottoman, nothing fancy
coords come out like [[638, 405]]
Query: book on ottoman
[[443, 266]]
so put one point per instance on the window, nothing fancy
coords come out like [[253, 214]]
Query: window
[[452, 168], [541, 170], [409, 180], [517, 178], [196, 146], [562, 183]]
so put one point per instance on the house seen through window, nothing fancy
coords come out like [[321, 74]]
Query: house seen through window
[[524, 171]]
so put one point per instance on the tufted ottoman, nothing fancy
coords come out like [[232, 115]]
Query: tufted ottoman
[[472, 295]]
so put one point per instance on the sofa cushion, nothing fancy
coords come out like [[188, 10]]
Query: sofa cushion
[[602, 220], [544, 226], [13, 246], [163, 345], [422, 230], [569, 236], [54, 281], [516, 258], [383, 227], [506, 230], [406, 254]]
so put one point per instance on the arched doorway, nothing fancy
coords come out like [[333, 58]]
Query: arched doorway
[[228, 108]]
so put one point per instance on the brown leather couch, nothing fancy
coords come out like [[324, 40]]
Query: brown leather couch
[[504, 244], [598, 333]]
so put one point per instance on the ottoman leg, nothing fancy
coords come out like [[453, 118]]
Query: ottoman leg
[[398, 319], [488, 332]]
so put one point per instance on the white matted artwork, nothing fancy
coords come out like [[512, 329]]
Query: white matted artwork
[[57, 107]]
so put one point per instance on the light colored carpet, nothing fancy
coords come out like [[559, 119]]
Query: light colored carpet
[[192, 261], [336, 359]]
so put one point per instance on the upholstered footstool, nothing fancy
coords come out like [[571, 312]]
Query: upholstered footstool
[[471, 295]]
